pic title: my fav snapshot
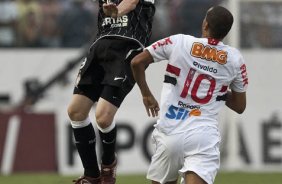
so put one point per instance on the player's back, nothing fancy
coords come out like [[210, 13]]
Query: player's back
[[197, 77]]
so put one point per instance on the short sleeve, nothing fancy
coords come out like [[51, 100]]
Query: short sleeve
[[162, 49], [241, 81]]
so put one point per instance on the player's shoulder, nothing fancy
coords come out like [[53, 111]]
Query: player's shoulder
[[234, 51], [189, 39], [235, 55], [182, 38]]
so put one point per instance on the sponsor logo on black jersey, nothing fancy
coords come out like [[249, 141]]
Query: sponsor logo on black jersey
[[116, 22]]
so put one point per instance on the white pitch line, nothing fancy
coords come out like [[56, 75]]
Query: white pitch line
[[10, 145]]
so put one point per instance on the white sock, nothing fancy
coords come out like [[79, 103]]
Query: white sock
[[108, 129], [80, 124]]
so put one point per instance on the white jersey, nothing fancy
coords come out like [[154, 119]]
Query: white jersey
[[198, 74]]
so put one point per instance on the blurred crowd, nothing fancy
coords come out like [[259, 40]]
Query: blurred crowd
[[46, 23], [180, 16], [261, 27], [72, 23]]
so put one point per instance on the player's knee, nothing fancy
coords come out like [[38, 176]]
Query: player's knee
[[104, 120], [76, 114]]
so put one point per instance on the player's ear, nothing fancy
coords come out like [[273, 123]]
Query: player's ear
[[205, 28], [205, 25]]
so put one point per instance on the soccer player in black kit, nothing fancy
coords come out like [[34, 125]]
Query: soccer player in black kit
[[124, 29]]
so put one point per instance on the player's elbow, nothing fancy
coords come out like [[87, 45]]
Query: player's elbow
[[236, 101], [133, 4], [137, 62], [134, 63], [141, 61], [240, 110], [237, 107], [136, 66]]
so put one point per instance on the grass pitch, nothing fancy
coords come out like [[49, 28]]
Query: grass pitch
[[222, 178]]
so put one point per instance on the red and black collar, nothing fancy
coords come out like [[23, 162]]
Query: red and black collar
[[213, 41]]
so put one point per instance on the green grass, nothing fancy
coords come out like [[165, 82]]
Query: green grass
[[249, 178], [222, 178]]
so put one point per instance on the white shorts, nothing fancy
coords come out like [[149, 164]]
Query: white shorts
[[196, 150]]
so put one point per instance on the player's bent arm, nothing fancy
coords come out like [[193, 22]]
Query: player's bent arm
[[138, 65], [236, 101], [126, 6], [113, 10]]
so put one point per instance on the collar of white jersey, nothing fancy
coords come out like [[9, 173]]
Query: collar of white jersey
[[214, 41]]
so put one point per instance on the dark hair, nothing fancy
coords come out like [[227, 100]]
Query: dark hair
[[220, 21]]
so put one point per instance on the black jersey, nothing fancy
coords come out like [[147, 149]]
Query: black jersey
[[136, 25]]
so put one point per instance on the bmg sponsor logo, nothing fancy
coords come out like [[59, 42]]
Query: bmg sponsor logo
[[209, 53]]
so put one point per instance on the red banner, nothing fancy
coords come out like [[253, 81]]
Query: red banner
[[27, 142]]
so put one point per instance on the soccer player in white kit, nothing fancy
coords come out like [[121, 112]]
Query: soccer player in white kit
[[201, 76]]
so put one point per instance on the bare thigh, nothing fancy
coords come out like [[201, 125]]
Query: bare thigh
[[193, 178], [171, 182], [105, 112], [79, 107]]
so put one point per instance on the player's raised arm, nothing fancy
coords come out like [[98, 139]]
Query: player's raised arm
[[138, 66], [125, 6]]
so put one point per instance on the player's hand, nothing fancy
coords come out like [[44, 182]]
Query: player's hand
[[110, 9], [151, 105]]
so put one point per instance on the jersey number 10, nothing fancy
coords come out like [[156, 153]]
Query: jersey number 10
[[195, 87]]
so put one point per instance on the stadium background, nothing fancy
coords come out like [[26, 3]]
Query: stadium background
[[41, 46]]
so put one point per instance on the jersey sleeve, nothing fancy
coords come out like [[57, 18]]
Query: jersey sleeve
[[240, 82], [162, 49]]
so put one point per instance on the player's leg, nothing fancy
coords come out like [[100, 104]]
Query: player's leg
[[118, 80], [117, 85], [105, 112], [172, 182], [167, 159], [107, 106], [86, 93], [84, 135], [79, 107], [155, 182], [201, 156], [193, 178]]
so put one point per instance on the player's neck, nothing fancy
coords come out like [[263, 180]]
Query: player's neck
[[208, 36]]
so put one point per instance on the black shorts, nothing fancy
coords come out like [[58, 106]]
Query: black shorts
[[106, 72]]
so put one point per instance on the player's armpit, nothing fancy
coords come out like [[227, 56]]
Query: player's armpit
[[221, 97]]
